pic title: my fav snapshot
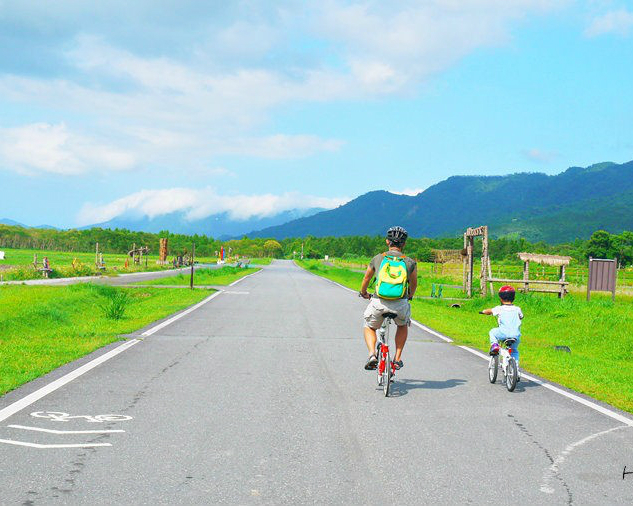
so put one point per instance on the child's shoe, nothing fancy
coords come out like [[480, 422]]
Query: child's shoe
[[494, 349]]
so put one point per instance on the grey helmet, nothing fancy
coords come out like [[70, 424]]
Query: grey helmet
[[397, 235]]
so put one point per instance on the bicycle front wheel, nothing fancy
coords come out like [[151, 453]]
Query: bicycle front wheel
[[493, 368], [511, 375]]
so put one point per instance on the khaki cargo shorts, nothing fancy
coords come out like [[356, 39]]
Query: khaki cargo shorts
[[377, 307]]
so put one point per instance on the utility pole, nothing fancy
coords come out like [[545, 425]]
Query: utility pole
[[301, 251], [193, 255]]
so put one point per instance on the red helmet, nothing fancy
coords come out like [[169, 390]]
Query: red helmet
[[507, 293]]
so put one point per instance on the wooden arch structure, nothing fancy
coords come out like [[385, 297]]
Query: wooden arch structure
[[469, 260]]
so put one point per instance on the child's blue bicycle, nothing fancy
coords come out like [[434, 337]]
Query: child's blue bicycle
[[508, 365]]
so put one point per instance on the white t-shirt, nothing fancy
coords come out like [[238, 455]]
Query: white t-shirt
[[509, 317]]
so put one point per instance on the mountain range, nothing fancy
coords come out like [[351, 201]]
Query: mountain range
[[220, 226], [13, 223], [536, 206]]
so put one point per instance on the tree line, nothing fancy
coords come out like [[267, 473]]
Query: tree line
[[601, 244]]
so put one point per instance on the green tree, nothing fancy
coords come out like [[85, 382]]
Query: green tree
[[273, 248], [600, 245]]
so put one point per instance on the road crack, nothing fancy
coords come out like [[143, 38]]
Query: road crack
[[548, 455]]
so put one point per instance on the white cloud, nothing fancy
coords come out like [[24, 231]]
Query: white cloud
[[619, 22], [200, 203], [42, 147], [541, 156], [391, 48], [216, 92], [411, 192]]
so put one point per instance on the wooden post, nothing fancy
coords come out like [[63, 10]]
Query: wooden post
[[35, 260], [97, 256], [588, 278], [562, 285], [492, 288], [484, 262], [193, 255], [526, 276], [471, 264], [465, 264]]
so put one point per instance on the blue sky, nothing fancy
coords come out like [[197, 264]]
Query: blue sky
[[255, 107]]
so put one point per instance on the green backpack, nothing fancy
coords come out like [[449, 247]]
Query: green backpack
[[392, 279]]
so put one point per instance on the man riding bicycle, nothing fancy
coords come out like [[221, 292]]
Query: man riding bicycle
[[397, 281]]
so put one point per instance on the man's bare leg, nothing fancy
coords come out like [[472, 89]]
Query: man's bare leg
[[401, 337], [370, 340]]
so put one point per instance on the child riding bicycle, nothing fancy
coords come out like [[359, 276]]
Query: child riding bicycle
[[396, 282], [509, 318]]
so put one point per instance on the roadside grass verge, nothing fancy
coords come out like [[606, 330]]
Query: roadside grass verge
[[261, 261], [599, 334], [222, 276], [45, 327]]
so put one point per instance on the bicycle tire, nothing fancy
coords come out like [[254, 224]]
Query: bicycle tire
[[386, 379], [511, 375], [378, 375], [493, 368]]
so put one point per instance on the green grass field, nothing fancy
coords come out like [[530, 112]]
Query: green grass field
[[222, 276], [599, 334], [46, 327], [17, 264]]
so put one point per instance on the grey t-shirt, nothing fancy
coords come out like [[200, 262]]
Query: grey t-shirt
[[410, 263]]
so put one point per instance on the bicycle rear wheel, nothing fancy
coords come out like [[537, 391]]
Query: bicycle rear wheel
[[493, 368], [386, 376], [511, 375], [378, 374]]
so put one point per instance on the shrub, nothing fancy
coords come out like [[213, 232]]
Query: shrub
[[115, 305]]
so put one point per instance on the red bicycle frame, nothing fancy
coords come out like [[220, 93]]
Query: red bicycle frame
[[384, 350]]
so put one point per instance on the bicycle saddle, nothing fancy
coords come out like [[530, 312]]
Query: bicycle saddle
[[510, 342], [393, 316]]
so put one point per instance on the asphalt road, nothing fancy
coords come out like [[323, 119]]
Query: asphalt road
[[259, 397]]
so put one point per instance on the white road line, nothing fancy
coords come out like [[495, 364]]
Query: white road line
[[60, 382], [55, 431], [596, 407], [41, 446], [480, 354], [554, 469], [242, 279], [171, 320], [19, 405], [431, 331], [564, 393]]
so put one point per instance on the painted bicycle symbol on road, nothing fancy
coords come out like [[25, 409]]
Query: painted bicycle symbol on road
[[59, 416]]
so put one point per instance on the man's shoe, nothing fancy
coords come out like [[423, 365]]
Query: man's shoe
[[398, 364], [371, 363], [494, 349]]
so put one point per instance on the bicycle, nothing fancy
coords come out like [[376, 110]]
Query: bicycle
[[508, 365], [386, 368]]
